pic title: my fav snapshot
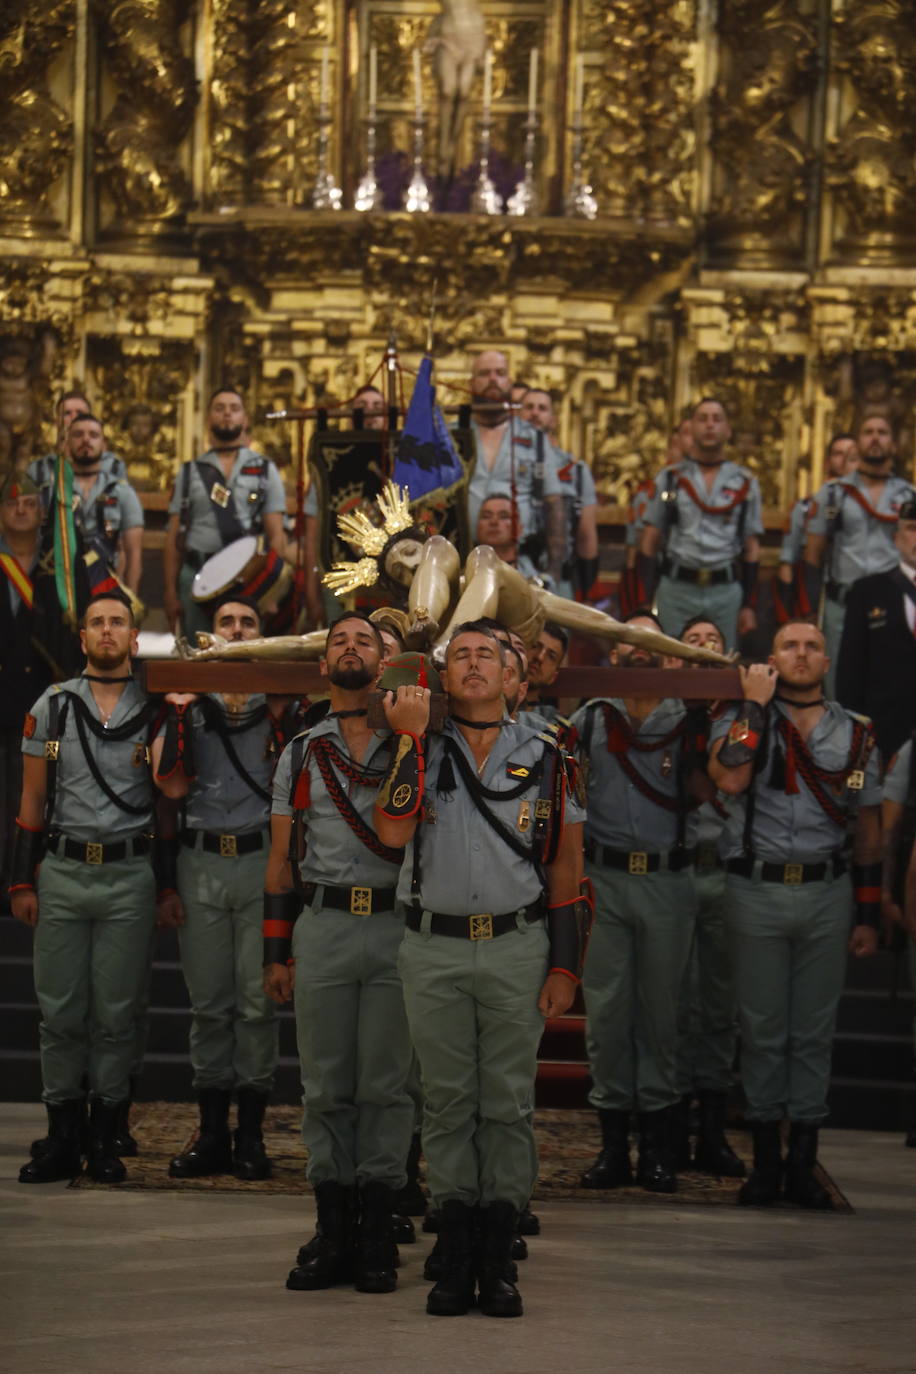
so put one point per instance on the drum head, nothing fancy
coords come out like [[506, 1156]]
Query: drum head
[[230, 567]]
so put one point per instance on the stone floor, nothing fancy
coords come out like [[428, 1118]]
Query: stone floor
[[111, 1283]]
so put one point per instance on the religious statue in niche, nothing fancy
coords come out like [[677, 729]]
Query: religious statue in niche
[[457, 42], [26, 367]]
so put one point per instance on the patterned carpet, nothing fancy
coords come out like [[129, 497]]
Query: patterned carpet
[[567, 1142]]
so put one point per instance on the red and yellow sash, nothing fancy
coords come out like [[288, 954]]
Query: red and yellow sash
[[18, 577]]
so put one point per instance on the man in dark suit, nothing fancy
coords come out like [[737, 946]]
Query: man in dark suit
[[876, 672]]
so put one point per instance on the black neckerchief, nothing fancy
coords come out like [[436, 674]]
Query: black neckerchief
[[346, 715], [89, 677], [801, 705], [477, 724]]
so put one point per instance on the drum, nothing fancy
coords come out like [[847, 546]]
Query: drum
[[245, 567]]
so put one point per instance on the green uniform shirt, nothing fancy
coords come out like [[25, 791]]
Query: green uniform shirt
[[860, 544], [793, 827], [203, 534], [82, 811], [697, 538], [219, 798], [519, 441], [334, 854], [465, 867]]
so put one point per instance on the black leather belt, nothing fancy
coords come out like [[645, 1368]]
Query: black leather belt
[[481, 926], [792, 875], [700, 577], [359, 901], [638, 861], [194, 558], [707, 855], [229, 846], [94, 852]]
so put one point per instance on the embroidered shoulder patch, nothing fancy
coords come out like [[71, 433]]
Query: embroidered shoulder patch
[[517, 770], [30, 725]]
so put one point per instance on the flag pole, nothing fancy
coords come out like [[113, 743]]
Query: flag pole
[[432, 316]]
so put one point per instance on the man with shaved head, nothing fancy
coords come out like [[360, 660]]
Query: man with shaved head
[[804, 774]]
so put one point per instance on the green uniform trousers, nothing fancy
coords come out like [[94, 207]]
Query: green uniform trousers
[[193, 616], [90, 960], [634, 969], [707, 1028], [790, 945], [354, 1046], [234, 1030], [472, 1008], [679, 602]]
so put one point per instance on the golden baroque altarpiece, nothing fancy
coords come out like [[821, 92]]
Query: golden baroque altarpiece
[[753, 162]]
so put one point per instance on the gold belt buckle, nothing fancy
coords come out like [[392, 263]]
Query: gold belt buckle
[[638, 862], [360, 901], [481, 927], [228, 847], [94, 853], [542, 809], [856, 780], [704, 577], [792, 874]]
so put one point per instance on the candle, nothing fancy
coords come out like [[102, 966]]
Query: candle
[[580, 84], [325, 75], [417, 83], [487, 81], [533, 82], [373, 76]]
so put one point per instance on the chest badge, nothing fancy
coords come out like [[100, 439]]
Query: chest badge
[[517, 770], [219, 495], [667, 764], [524, 816], [856, 780], [141, 755]]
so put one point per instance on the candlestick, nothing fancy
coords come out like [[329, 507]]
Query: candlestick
[[533, 82], [485, 199], [373, 77], [368, 193], [579, 201], [417, 199], [523, 200], [580, 85], [487, 83], [417, 84], [325, 76]]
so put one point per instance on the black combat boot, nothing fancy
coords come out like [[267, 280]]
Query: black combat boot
[[327, 1259], [714, 1155], [61, 1155], [403, 1231], [249, 1158], [125, 1145], [655, 1166], [102, 1163], [39, 1146], [211, 1152], [376, 1258], [435, 1265], [801, 1186], [680, 1132], [411, 1199], [763, 1186], [528, 1223], [454, 1290], [497, 1293], [612, 1167]]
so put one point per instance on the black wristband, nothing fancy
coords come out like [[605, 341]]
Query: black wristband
[[28, 852], [567, 927], [281, 911], [586, 572], [866, 884], [646, 577], [744, 735], [750, 573], [165, 863], [807, 589]]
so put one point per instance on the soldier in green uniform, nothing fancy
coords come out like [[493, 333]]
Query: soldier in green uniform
[[223, 776], [81, 876], [354, 1045], [491, 883], [642, 762], [804, 770]]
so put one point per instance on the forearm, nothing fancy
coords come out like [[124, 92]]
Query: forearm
[[171, 559], [133, 558], [555, 535]]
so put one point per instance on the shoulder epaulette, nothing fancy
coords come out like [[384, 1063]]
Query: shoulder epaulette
[[856, 715]]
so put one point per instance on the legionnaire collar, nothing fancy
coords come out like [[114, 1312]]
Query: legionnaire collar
[[90, 677], [346, 715], [477, 724], [800, 705]]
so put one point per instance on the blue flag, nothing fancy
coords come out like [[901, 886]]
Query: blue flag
[[427, 460]]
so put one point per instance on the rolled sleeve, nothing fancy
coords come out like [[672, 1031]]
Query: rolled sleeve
[[897, 777], [35, 743]]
